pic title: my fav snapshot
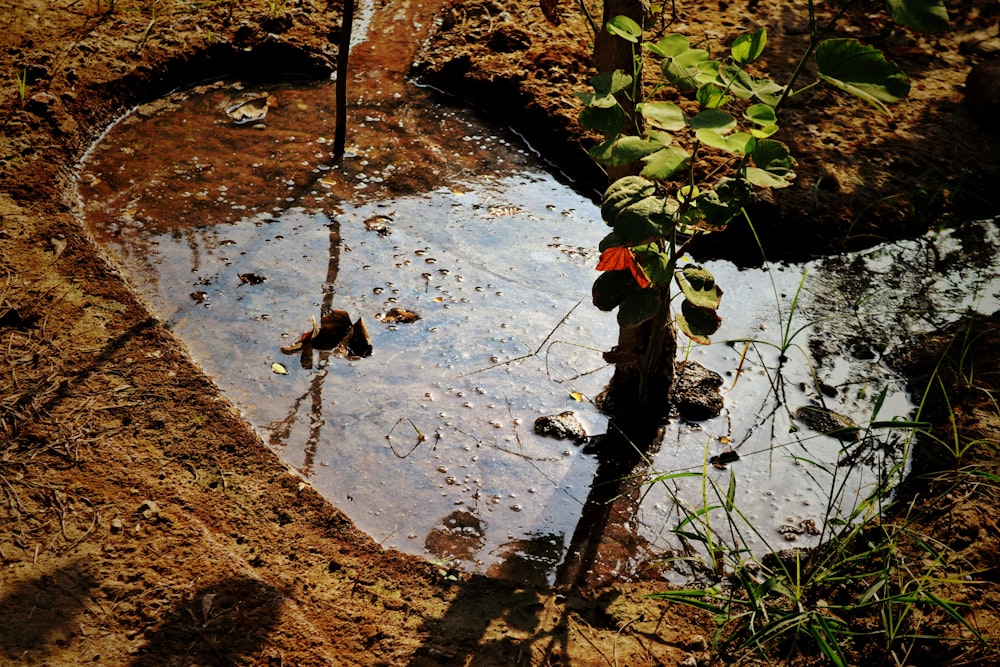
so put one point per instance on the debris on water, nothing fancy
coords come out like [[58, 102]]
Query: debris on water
[[696, 390], [335, 332], [564, 426], [720, 460], [379, 224], [400, 315], [791, 531], [252, 109], [250, 278], [278, 369], [828, 422]]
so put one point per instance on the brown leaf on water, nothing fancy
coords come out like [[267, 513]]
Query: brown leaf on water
[[552, 11], [333, 328], [360, 342]]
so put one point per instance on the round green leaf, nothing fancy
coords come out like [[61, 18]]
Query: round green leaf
[[664, 163], [737, 143], [624, 27], [628, 149], [747, 48], [773, 156], [862, 71], [698, 286], [665, 115], [713, 119], [638, 307], [761, 114], [925, 16], [697, 323], [623, 193], [671, 46], [710, 96], [609, 121], [642, 220]]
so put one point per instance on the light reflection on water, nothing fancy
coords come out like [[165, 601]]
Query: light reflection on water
[[428, 444]]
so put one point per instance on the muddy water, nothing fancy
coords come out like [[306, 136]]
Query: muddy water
[[239, 231]]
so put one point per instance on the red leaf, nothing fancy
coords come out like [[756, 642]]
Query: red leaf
[[621, 258]]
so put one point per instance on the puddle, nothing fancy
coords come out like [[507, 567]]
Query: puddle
[[238, 235]]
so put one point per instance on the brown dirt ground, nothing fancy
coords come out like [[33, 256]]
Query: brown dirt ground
[[142, 522]]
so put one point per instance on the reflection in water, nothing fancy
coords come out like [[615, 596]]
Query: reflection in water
[[429, 440], [280, 430]]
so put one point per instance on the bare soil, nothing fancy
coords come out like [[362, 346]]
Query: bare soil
[[143, 522]]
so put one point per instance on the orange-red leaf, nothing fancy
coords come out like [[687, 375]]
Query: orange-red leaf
[[621, 258]]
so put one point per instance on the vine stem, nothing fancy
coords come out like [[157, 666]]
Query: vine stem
[[814, 41]]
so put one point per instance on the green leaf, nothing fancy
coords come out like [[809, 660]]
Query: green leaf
[[773, 156], [611, 83], [623, 193], [664, 163], [638, 307], [628, 149], [736, 81], [657, 266], [683, 69], [665, 115], [625, 28], [747, 48], [698, 286], [643, 220], [737, 143], [861, 71], [609, 241], [611, 288], [761, 114], [608, 121], [671, 46], [600, 100], [765, 179], [697, 323], [767, 91], [710, 96], [713, 119], [921, 15], [721, 205]]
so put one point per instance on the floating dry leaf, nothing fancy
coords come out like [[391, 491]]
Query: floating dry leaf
[[278, 369]]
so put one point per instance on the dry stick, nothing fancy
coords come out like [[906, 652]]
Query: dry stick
[[532, 354], [343, 53]]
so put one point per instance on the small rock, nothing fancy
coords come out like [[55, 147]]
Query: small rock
[[828, 422], [982, 93], [564, 426], [696, 392], [148, 509]]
